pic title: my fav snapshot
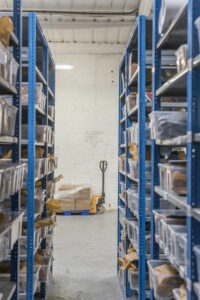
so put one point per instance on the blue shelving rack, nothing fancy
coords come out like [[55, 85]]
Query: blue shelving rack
[[10, 289], [138, 44], [185, 83], [41, 67]]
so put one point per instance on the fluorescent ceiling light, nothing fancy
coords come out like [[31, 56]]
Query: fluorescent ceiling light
[[64, 66]]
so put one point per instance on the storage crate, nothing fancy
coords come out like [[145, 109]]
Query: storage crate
[[165, 234], [177, 179], [124, 137], [8, 119], [163, 283], [160, 214], [131, 102], [181, 254], [197, 253], [122, 277], [133, 169], [45, 269], [13, 69], [122, 215], [3, 61], [40, 98], [122, 163], [51, 111], [181, 57], [133, 280], [22, 280], [4, 244], [176, 294], [167, 124], [132, 230], [197, 289], [132, 195], [174, 233], [197, 23]]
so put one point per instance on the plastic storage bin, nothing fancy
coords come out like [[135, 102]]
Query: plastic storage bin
[[133, 168], [177, 179], [3, 60], [167, 124], [181, 246], [174, 233], [197, 253], [51, 111], [132, 195], [165, 236], [133, 280], [197, 289], [163, 283], [14, 66], [197, 23], [8, 120], [160, 214], [22, 279], [40, 98], [181, 57], [4, 245], [176, 294], [121, 275], [122, 215], [131, 102], [122, 163], [45, 269]]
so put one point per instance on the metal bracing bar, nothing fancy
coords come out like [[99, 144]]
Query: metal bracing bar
[[193, 149], [31, 155], [156, 83], [142, 156]]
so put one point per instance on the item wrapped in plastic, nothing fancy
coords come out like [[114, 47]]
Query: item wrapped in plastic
[[168, 124]]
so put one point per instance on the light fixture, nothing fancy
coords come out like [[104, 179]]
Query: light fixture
[[64, 66]]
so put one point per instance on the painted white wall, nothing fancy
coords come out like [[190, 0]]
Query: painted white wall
[[87, 121]]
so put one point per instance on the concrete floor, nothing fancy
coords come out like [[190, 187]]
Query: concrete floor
[[85, 258]]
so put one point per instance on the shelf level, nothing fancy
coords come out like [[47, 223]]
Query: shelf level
[[176, 35]]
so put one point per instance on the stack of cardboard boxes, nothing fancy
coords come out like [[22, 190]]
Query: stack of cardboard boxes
[[70, 197]]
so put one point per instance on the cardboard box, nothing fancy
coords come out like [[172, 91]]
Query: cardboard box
[[67, 204], [83, 204]]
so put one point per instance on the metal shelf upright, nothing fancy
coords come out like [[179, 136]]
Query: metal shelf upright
[[138, 45], [41, 67], [10, 288], [185, 83]]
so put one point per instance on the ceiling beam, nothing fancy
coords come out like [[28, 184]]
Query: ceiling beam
[[83, 24], [145, 7]]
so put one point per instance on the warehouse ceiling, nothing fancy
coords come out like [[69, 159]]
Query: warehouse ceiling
[[83, 21]]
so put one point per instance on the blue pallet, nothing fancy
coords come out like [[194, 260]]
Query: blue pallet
[[81, 212]]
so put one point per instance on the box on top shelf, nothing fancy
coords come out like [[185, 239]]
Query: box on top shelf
[[173, 177], [163, 279], [40, 98], [197, 23], [167, 124]]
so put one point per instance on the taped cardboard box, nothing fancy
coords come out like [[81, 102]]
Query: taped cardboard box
[[82, 204], [67, 204]]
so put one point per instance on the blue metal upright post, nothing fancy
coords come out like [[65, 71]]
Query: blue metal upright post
[[142, 157], [193, 149], [31, 155], [16, 148]]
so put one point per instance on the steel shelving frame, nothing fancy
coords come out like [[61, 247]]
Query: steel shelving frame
[[47, 76], [11, 289], [137, 44], [185, 83]]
